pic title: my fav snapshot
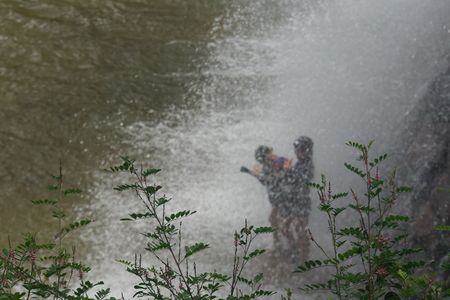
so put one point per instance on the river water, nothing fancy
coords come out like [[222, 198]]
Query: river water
[[193, 87]]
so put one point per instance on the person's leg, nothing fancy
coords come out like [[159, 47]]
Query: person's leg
[[274, 220], [303, 238], [292, 238]]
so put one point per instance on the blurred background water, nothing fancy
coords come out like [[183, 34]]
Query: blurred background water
[[193, 87]]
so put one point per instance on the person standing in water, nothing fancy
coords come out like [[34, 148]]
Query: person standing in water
[[271, 172], [296, 207]]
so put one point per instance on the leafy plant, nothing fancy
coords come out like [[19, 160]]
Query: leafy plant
[[177, 276], [368, 260], [48, 269]]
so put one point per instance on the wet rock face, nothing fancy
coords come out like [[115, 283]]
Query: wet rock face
[[424, 163]]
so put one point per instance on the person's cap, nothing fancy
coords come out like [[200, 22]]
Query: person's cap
[[261, 152], [303, 141]]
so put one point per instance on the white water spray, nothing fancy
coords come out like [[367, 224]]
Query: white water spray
[[332, 71]]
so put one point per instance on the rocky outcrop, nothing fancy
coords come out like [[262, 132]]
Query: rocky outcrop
[[423, 160]]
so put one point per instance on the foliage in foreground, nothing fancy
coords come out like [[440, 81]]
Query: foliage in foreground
[[32, 270], [177, 276], [48, 270], [369, 260]]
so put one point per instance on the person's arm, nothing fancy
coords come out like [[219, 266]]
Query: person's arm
[[287, 164], [244, 169], [309, 174], [256, 172]]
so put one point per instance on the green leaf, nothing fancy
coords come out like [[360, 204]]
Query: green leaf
[[137, 216], [85, 287], [411, 266], [325, 207], [71, 191], [355, 170], [151, 235], [377, 160], [258, 277], [350, 253], [58, 214], [340, 243], [102, 294], [79, 266], [76, 225], [317, 287], [356, 145], [404, 252], [404, 189], [55, 269], [125, 187], [47, 246], [312, 264], [125, 262], [400, 237], [314, 185], [332, 261], [374, 193], [162, 201], [219, 277], [403, 275], [262, 230], [442, 227], [44, 201], [150, 190], [200, 278], [50, 257], [392, 221], [15, 296], [338, 210], [245, 280], [323, 179], [261, 293], [149, 172], [156, 246], [339, 195], [352, 231], [169, 229], [255, 253], [178, 215], [126, 166], [197, 247]]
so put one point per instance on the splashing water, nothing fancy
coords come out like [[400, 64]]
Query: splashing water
[[277, 70]]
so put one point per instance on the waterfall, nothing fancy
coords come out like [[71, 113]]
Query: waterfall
[[332, 70]]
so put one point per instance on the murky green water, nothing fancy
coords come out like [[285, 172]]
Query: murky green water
[[80, 80], [73, 72], [195, 86]]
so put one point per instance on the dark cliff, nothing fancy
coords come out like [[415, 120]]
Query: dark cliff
[[423, 160]]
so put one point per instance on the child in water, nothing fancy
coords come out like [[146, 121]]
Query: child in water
[[271, 172]]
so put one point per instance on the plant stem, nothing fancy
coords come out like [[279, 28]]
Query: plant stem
[[369, 224], [166, 239]]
